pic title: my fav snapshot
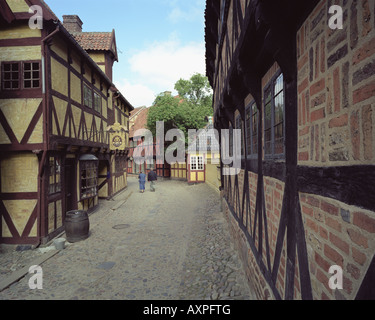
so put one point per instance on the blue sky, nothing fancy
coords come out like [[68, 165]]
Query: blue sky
[[159, 41]]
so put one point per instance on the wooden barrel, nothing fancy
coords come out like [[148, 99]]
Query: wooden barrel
[[77, 226]]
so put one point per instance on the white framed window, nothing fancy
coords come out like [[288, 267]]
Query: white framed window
[[200, 163], [196, 163]]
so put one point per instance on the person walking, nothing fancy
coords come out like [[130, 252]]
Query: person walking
[[152, 177], [142, 182]]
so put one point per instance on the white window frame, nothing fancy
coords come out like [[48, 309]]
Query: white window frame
[[196, 163]]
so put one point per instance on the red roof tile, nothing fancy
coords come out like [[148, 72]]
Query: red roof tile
[[94, 40]]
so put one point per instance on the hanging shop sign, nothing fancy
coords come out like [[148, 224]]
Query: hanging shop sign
[[117, 137]]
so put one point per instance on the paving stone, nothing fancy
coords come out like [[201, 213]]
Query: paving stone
[[178, 246], [106, 265]]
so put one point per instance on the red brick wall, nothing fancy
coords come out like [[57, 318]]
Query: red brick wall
[[336, 117], [337, 234], [336, 87]]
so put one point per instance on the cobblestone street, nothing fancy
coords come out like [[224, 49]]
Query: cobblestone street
[[170, 245]]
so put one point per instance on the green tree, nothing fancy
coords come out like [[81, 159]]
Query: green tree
[[197, 90], [167, 109], [189, 110]]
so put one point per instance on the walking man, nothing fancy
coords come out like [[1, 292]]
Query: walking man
[[152, 177]]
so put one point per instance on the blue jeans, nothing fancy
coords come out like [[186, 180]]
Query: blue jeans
[[142, 185]]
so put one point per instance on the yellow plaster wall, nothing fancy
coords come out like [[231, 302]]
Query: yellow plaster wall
[[97, 57], [59, 75], [87, 73], [97, 81], [51, 217], [121, 183], [20, 212], [19, 113], [19, 32], [193, 176], [200, 176], [103, 193], [19, 173], [18, 5], [59, 214], [54, 125], [76, 62], [102, 68], [34, 230], [4, 139], [75, 88], [60, 106], [104, 108], [110, 99], [77, 118], [21, 53], [37, 135], [59, 47], [88, 118]]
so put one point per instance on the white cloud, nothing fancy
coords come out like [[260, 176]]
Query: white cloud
[[164, 63], [158, 67], [137, 94]]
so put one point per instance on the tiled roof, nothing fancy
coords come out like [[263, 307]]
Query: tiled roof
[[94, 40], [135, 112]]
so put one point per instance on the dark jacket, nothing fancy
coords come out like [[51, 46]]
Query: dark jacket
[[152, 176]]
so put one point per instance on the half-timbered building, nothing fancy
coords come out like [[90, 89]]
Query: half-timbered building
[[301, 90], [58, 110]]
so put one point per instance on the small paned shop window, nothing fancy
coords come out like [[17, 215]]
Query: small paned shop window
[[89, 178], [274, 113], [54, 175]]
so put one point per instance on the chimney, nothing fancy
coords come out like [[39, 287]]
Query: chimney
[[72, 23]]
